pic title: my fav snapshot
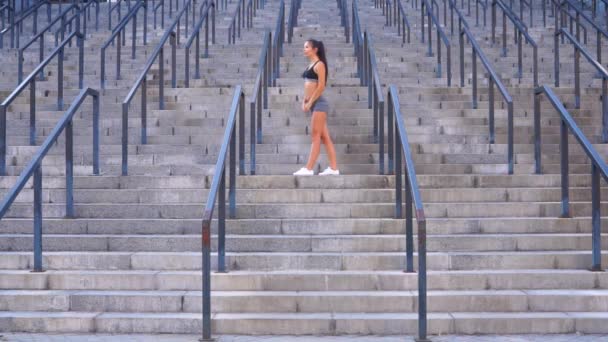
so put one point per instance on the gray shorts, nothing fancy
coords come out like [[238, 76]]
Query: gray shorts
[[320, 105]]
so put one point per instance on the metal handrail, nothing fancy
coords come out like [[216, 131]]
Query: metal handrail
[[30, 83], [521, 9], [6, 8], [259, 97], [462, 22], [141, 81], [111, 8], [15, 22], [598, 166], [277, 43], [161, 5], [218, 192], [342, 5], [579, 25], [40, 37], [196, 37], [578, 49], [293, 18], [492, 79], [83, 10], [403, 22], [521, 31], [579, 13], [268, 72], [119, 32], [68, 23], [441, 37], [375, 101], [357, 35], [200, 14], [484, 6], [34, 168], [412, 197], [236, 24], [400, 18]]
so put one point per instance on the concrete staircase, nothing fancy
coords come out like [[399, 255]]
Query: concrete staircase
[[308, 255]]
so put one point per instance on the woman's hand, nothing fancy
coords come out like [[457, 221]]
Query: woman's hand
[[306, 105]]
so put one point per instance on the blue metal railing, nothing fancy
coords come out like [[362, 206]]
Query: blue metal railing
[[441, 37], [243, 17], [375, 98], [521, 32], [598, 166], [259, 97], [34, 168], [292, 20], [172, 33], [19, 22], [218, 192], [343, 7], [564, 9], [277, 44], [40, 38], [578, 50], [120, 32], [493, 79], [30, 82], [161, 5], [412, 198], [111, 8], [206, 9]]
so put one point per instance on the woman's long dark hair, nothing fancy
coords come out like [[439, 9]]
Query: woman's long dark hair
[[321, 54]]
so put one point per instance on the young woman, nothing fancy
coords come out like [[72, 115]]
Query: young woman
[[315, 79]]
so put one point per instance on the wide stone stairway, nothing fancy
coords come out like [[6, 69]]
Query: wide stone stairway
[[305, 255]]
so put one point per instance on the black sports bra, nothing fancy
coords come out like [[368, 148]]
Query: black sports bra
[[310, 74]]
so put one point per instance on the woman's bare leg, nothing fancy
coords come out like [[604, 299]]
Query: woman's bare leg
[[329, 147], [318, 124]]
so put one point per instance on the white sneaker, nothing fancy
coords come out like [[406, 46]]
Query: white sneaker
[[304, 172], [330, 172]]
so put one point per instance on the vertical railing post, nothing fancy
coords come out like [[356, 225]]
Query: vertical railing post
[[38, 219], [3, 140], [125, 137], [604, 109], [69, 170], [422, 309], [118, 53], [563, 147], [232, 175], [380, 131], [60, 79], [144, 111], [537, 134], [33, 112], [409, 223], [391, 137], [596, 232], [474, 66], [173, 43], [241, 145], [398, 173], [556, 57], [187, 64], [221, 221], [510, 137], [491, 109], [134, 37], [161, 78], [96, 103]]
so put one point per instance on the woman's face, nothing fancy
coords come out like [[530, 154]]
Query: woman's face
[[309, 50]]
